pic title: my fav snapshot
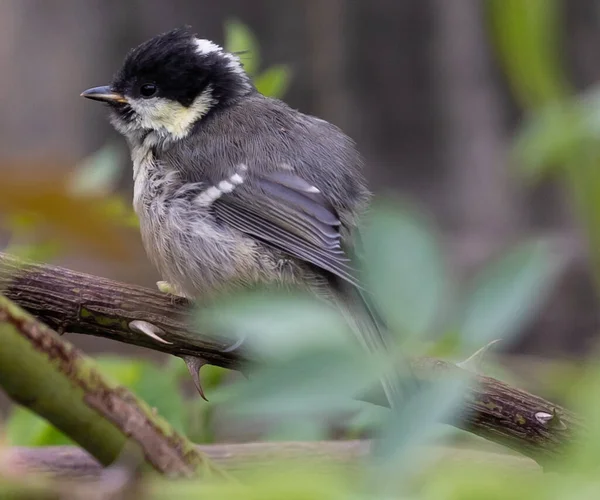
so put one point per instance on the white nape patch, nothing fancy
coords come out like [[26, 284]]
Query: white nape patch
[[213, 193], [234, 64], [313, 189], [206, 46], [170, 118]]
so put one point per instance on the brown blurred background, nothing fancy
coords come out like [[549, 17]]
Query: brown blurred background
[[415, 82]]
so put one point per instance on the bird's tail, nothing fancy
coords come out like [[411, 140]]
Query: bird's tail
[[375, 337]]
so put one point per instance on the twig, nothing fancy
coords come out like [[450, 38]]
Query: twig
[[80, 303], [45, 373]]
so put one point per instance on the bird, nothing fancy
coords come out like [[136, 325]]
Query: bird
[[235, 189]]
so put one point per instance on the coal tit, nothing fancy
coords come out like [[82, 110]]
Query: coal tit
[[233, 188]]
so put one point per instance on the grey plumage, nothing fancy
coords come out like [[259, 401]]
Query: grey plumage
[[233, 188], [267, 136]]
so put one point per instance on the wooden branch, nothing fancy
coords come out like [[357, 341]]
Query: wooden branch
[[46, 374], [73, 462], [76, 302]]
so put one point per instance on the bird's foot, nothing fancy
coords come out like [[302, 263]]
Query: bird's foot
[[165, 287]]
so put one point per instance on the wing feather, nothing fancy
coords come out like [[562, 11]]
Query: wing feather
[[291, 215]]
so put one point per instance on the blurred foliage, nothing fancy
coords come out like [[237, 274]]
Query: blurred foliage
[[273, 81], [560, 136], [312, 372], [528, 36], [45, 206]]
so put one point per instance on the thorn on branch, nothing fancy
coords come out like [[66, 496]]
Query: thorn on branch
[[551, 420], [474, 363], [194, 364], [152, 331], [235, 346]]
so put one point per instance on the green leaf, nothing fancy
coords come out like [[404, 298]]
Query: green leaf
[[528, 36], [400, 447], [274, 81], [405, 269], [276, 324], [239, 39], [99, 173], [507, 294], [310, 383], [548, 140]]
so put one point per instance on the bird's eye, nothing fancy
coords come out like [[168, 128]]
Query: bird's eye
[[148, 90]]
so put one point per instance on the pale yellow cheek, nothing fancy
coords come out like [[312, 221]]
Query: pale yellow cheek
[[172, 117]]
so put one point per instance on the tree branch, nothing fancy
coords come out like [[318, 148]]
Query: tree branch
[[43, 372], [80, 303], [70, 461]]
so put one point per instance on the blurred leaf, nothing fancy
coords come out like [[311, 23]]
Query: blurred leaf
[[558, 134], [35, 252], [366, 420], [528, 36], [508, 293], [400, 445], [405, 270], [121, 211], [275, 323], [311, 383], [76, 219], [99, 173], [299, 429], [239, 39], [583, 177], [274, 81], [548, 140]]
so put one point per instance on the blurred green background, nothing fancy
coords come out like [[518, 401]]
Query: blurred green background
[[480, 123]]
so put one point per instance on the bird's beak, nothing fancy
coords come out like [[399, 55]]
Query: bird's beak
[[104, 94]]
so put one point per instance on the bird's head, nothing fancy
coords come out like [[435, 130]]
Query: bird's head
[[170, 82]]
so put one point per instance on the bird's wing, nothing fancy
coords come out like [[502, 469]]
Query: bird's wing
[[286, 212]]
